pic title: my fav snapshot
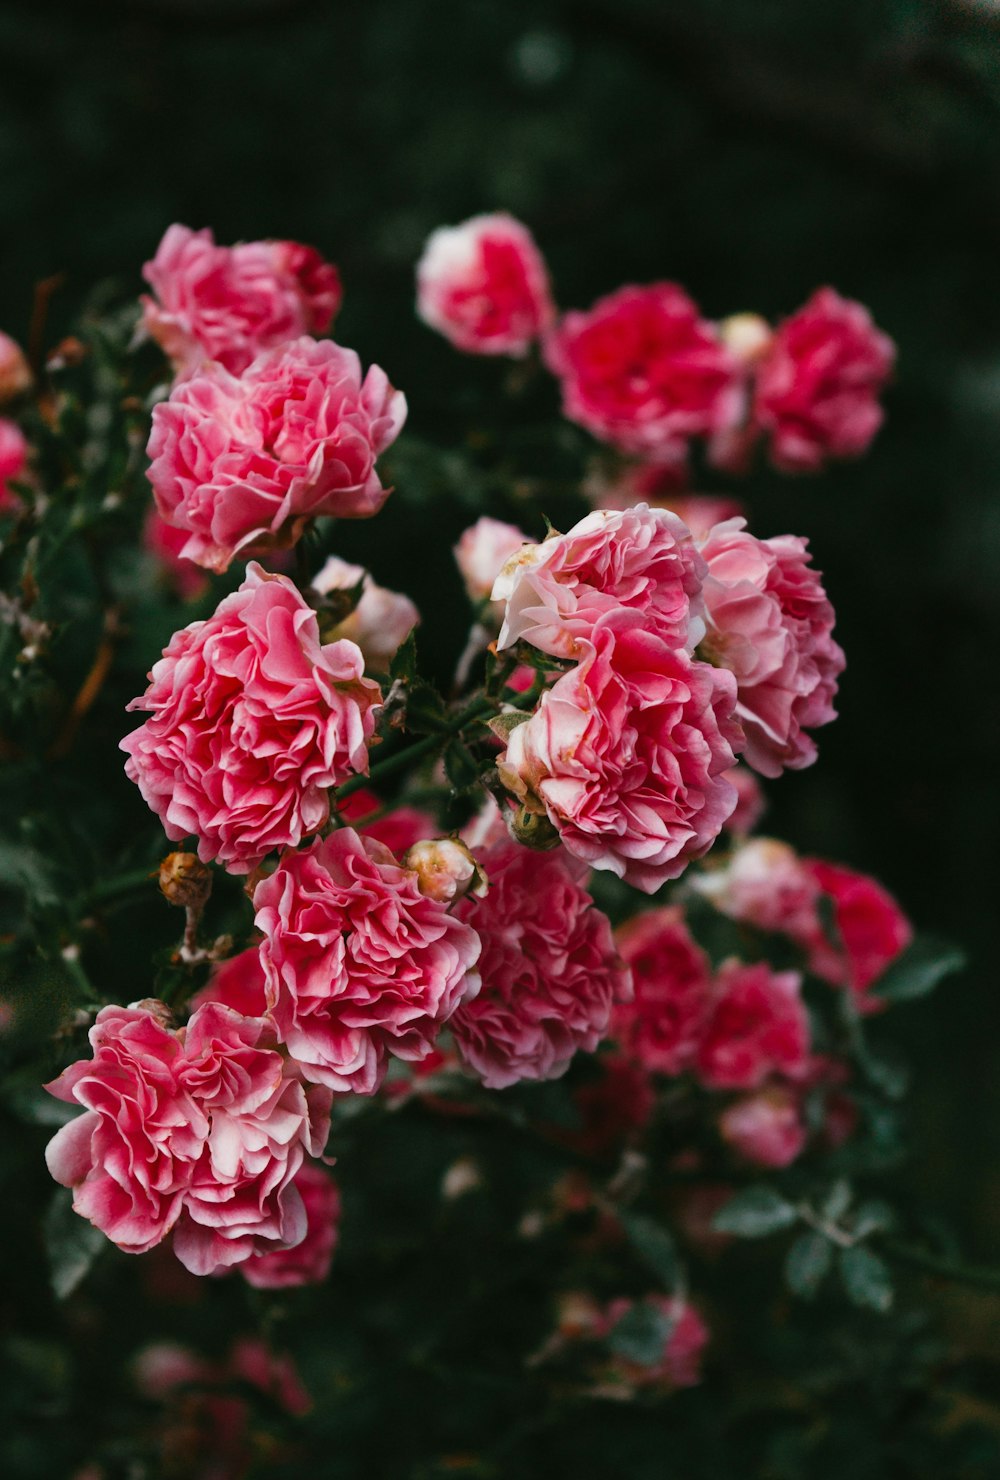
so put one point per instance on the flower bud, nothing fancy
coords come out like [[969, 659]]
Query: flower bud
[[445, 870], [533, 829], [15, 376], [184, 880], [746, 336]]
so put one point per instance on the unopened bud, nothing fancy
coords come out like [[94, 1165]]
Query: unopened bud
[[446, 870], [15, 376], [158, 1009], [533, 829], [184, 880], [746, 336]]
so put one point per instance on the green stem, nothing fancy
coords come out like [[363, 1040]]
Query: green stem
[[938, 1264], [110, 888], [477, 710]]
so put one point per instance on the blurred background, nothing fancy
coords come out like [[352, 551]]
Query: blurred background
[[750, 149]]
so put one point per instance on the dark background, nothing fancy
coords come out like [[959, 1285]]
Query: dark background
[[750, 149]]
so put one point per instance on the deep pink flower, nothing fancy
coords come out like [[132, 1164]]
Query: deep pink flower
[[200, 1131], [640, 559], [618, 1101], [398, 829], [818, 383], [765, 1127], [237, 983], [770, 623], [764, 884], [626, 753], [549, 969], [243, 465], [484, 286], [229, 303], [13, 461], [671, 975], [869, 923], [758, 1027], [165, 542], [309, 1262], [359, 963], [643, 370], [686, 1339], [251, 721]]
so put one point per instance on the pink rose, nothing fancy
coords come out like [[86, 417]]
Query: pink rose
[[237, 983], [309, 1262], [617, 1102], [764, 884], [770, 623], [381, 621], [640, 559], [869, 923], [758, 1027], [15, 376], [818, 383], [685, 1340], [359, 963], [13, 461], [252, 720], [643, 370], [165, 542], [765, 1127], [229, 303], [549, 968], [626, 754], [243, 465], [483, 549], [200, 1131], [671, 976], [751, 804], [484, 286], [398, 828]]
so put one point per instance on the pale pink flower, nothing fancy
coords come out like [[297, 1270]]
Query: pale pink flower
[[752, 803], [771, 624], [758, 1027], [869, 925], [445, 869], [640, 559], [309, 1262], [15, 376], [251, 722], [818, 383], [381, 621], [484, 286], [359, 963], [165, 542], [626, 754], [200, 1131], [13, 462], [686, 1337], [549, 967], [765, 1127], [765, 884], [244, 464], [643, 370], [671, 977], [229, 303], [482, 551]]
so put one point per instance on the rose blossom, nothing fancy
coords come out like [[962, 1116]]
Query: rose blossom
[[165, 542], [764, 1127], [618, 1101], [243, 465], [686, 1337], [229, 303], [482, 550], [752, 803], [309, 1262], [549, 969], [381, 621], [626, 754], [15, 376], [758, 1026], [643, 370], [818, 383], [399, 828], [641, 559], [13, 461], [237, 983], [764, 884], [771, 624], [251, 721], [484, 286], [869, 923], [200, 1131], [663, 1024], [359, 963]]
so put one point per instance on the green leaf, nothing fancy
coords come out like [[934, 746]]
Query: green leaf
[[755, 1213], [872, 1216], [807, 1264], [866, 1279], [461, 766], [838, 1201], [654, 1246], [641, 1334], [404, 663], [425, 711], [71, 1242], [915, 973]]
